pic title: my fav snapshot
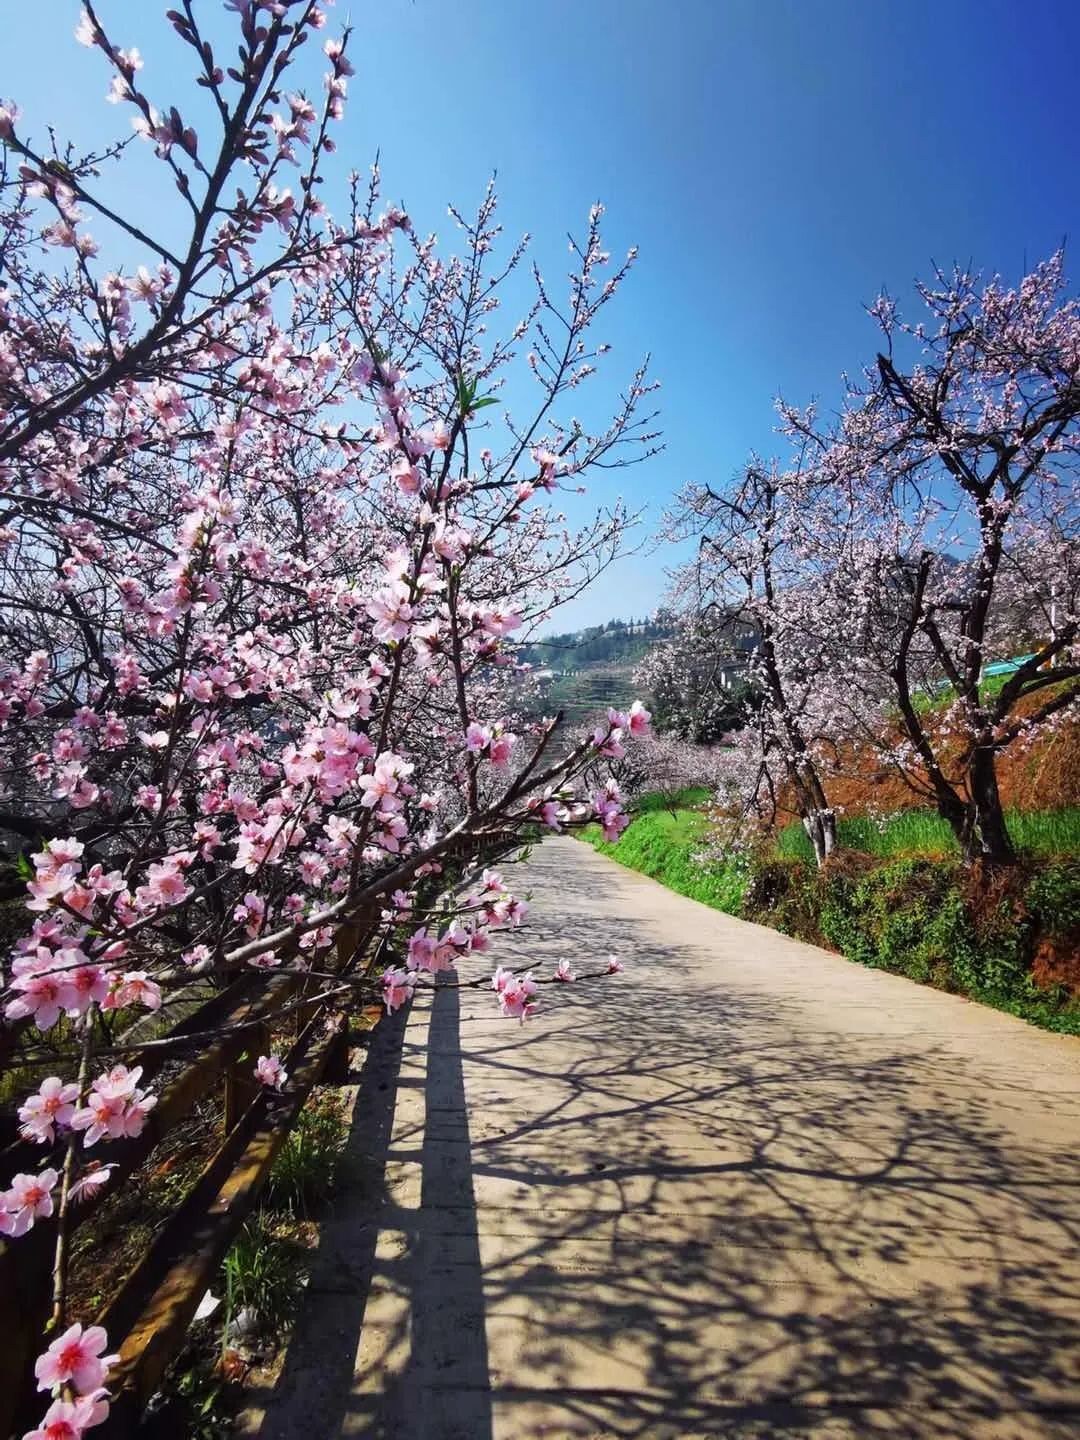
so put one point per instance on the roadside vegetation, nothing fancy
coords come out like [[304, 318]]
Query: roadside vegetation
[[896, 896], [920, 832]]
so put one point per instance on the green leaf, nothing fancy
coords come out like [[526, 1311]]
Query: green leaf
[[466, 390], [484, 400], [25, 869]]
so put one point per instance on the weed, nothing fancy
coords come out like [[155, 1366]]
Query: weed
[[306, 1167], [263, 1275]]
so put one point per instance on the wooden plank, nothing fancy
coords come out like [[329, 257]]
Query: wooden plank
[[158, 1330]]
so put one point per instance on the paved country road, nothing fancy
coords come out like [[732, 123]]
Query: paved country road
[[746, 1189]]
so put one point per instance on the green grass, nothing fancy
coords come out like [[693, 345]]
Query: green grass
[[689, 799], [920, 832], [306, 1167], [663, 846], [926, 701], [263, 1274]]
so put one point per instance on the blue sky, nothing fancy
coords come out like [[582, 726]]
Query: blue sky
[[777, 163]]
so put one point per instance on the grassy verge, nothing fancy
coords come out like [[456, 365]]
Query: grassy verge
[[1013, 944], [258, 1289], [897, 898], [918, 832], [662, 845]]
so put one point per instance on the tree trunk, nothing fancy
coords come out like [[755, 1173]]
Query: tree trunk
[[820, 825], [985, 835]]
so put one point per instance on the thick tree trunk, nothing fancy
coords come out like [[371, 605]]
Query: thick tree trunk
[[985, 836]]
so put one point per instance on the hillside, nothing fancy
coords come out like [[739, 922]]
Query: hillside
[[584, 671], [618, 642]]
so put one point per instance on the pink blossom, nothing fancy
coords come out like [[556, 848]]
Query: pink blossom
[[9, 113], [133, 988], [380, 787], [89, 986], [75, 1359], [406, 475], [553, 814], [28, 1199], [52, 1106], [51, 886], [563, 971], [251, 912], [500, 622], [70, 1419], [639, 719], [165, 886], [477, 738], [614, 965], [391, 612], [57, 855], [270, 1072], [267, 960], [398, 987], [515, 997], [608, 742], [501, 747], [44, 996], [115, 1106], [423, 952], [92, 1179]]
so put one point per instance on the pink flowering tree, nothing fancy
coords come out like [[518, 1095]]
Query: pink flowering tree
[[269, 526], [666, 766], [755, 594], [947, 530]]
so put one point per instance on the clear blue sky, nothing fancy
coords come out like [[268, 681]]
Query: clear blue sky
[[776, 162]]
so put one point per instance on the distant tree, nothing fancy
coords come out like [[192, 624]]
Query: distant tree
[[750, 576], [685, 679], [667, 766]]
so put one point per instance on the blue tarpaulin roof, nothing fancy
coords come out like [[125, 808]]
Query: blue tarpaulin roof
[[1005, 667]]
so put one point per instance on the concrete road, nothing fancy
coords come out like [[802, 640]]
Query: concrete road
[[746, 1189]]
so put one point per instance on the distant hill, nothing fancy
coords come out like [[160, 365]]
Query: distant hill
[[621, 642], [583, 672]]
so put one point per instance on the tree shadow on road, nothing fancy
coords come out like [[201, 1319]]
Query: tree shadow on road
[[672, 1216], [417, 1366]]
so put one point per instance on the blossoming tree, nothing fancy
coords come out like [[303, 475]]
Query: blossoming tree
[[268, 524], [948, 533], [751, 576], [899, 551]]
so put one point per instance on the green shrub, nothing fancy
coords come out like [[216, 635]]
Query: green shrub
[[1053, 897], [783, 893]]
